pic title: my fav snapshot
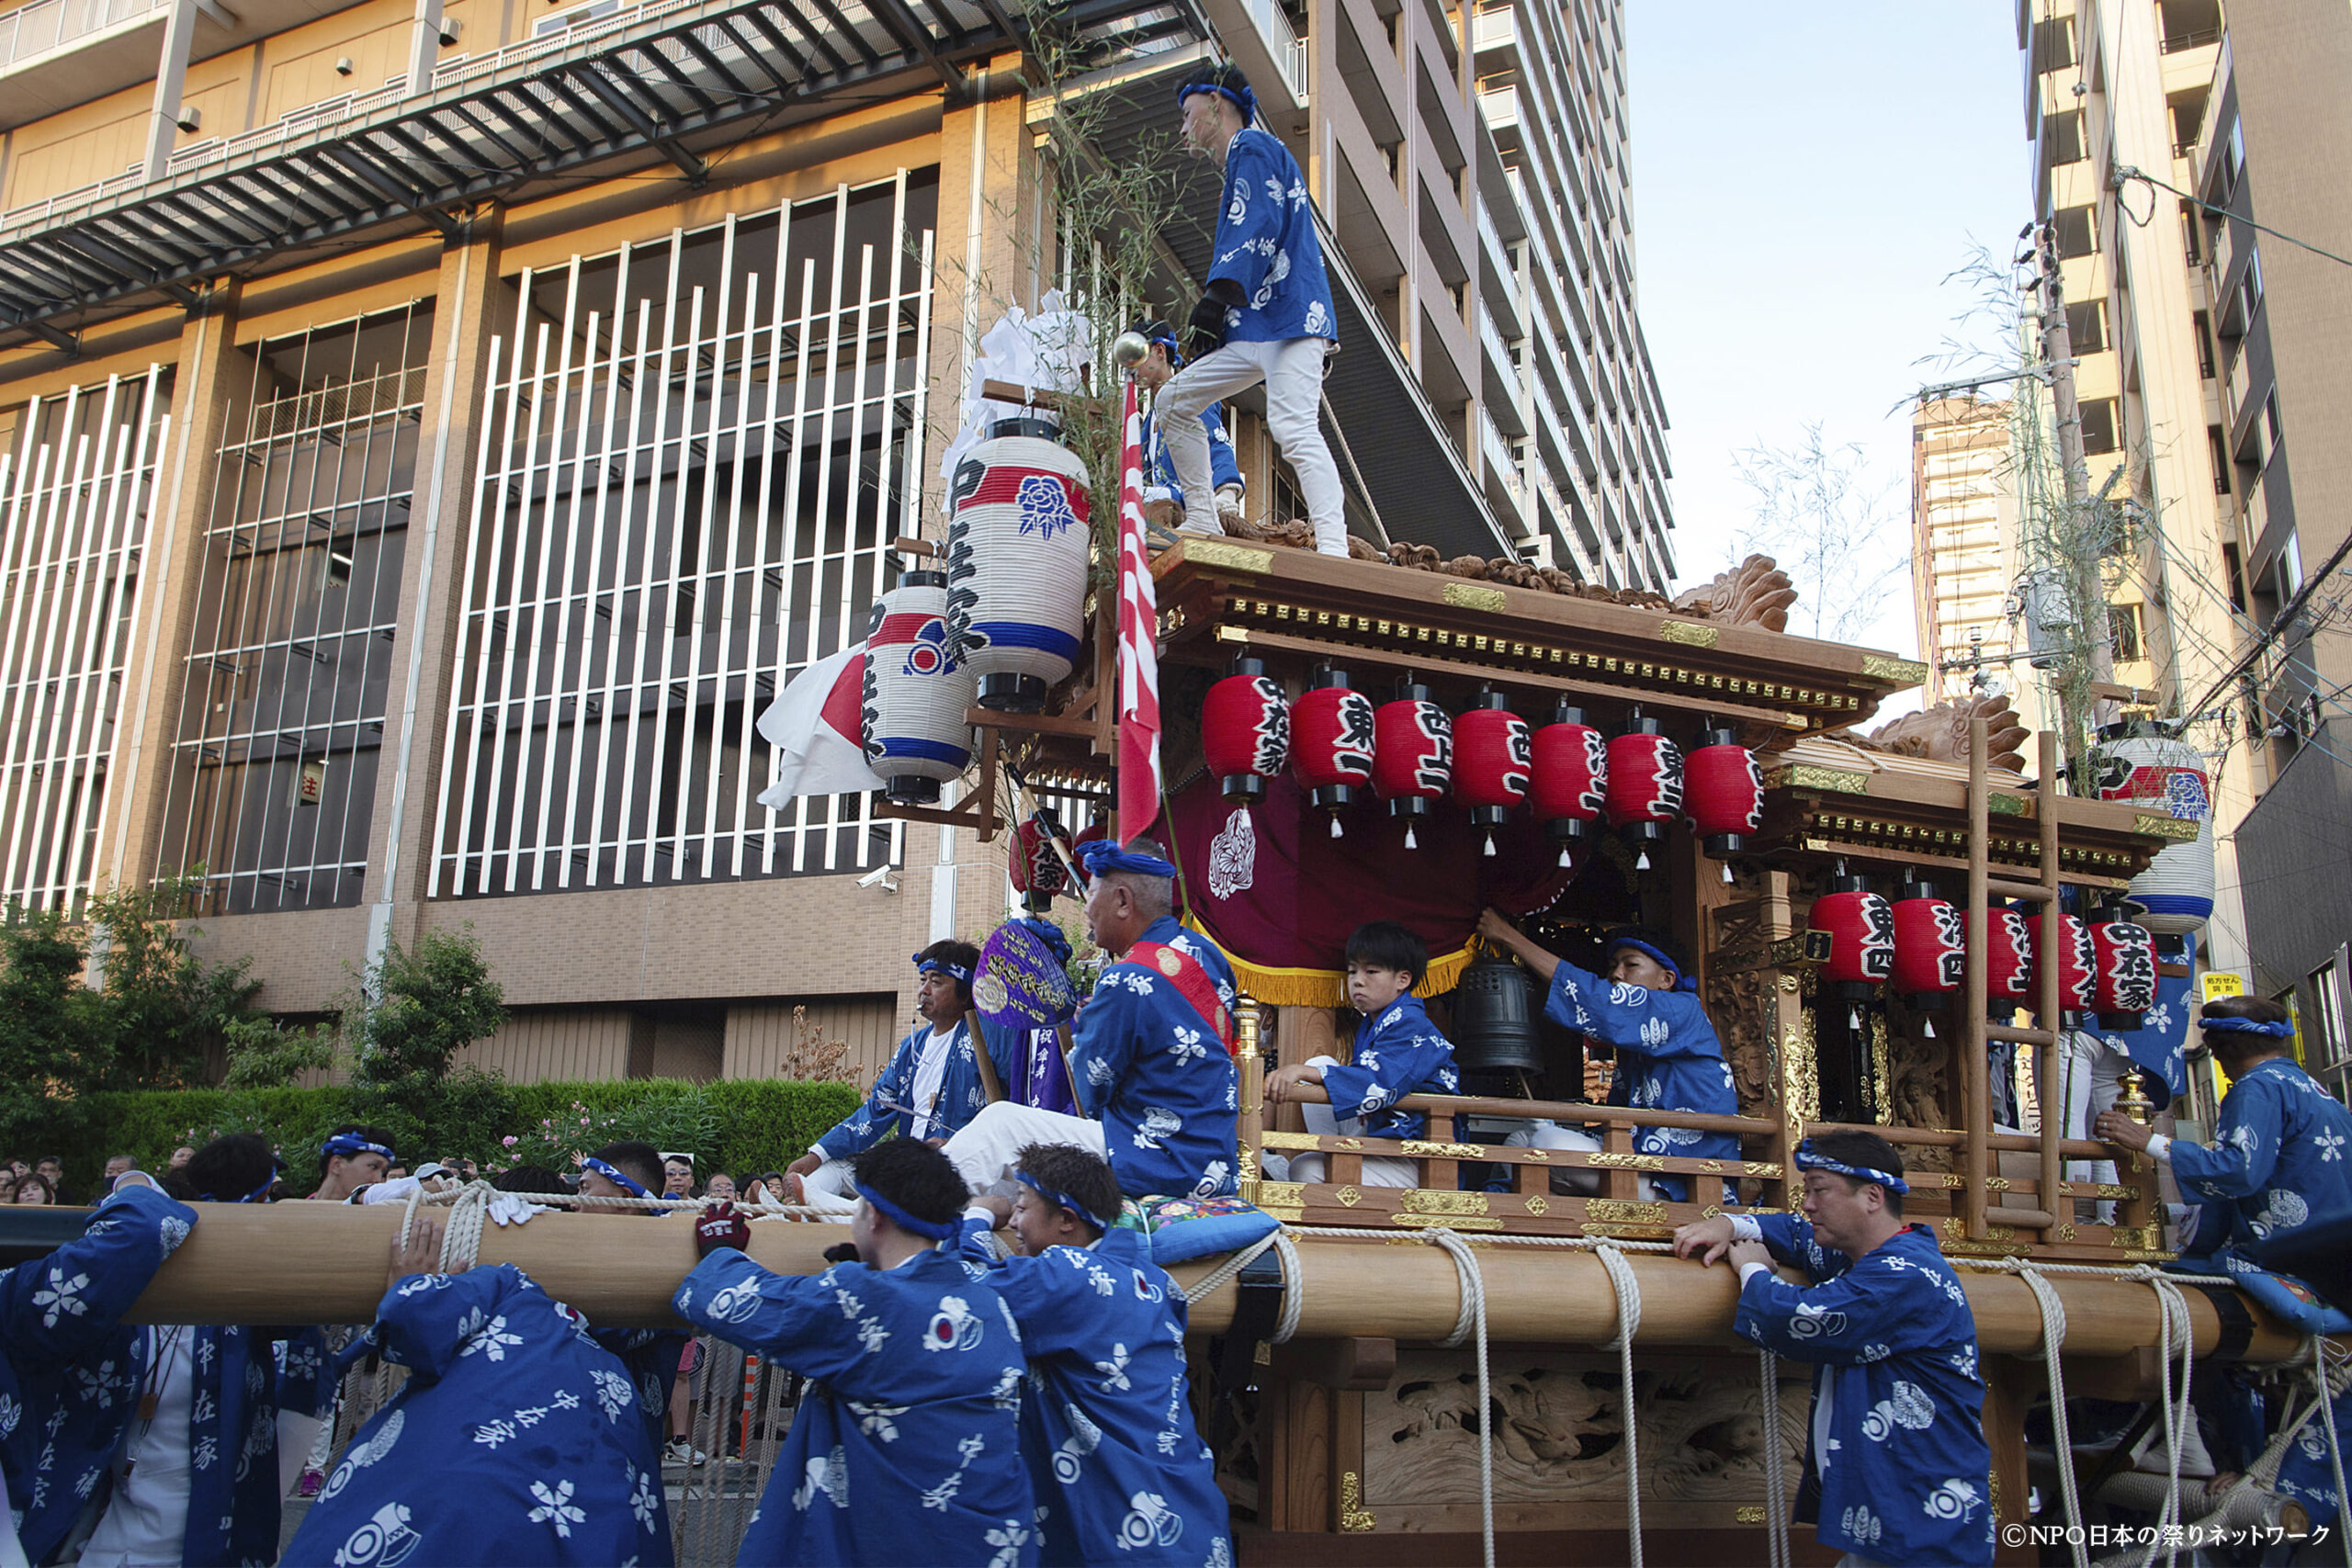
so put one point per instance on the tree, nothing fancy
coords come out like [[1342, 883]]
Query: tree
[[1836, 528], [53, 1042], [423, 1005], [166, 1012]]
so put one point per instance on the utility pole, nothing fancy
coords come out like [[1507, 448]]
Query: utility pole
[[2075, 539]]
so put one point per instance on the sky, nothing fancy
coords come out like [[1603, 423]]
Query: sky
[[1803, 178]]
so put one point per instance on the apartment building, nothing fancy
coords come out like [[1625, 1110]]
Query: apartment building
[[1966, 562], [431, 432], [2274, 149], [2114, 84]]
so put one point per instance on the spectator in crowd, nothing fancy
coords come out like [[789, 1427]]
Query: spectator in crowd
[[396, 1171], [53, 1168], [180, 1157], [677, 1176], [353, 1156], [768, 1187], [116, 1165], [721, 1188], [32, 1188], [461, 1168]]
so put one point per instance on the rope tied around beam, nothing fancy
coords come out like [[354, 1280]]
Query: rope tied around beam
[[1628, 1323], [2053, 1339]]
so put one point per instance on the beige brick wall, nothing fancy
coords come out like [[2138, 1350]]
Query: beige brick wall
[[760, 1035]]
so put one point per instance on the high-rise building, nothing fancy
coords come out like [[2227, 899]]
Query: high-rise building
[[2272, 150], [431, 433]]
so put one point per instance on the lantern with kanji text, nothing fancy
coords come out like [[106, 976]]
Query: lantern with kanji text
[[1861, 927], [2123, 984], [1330, 741], [1493, 761], [1930, 951], [1412, 754], [1245, 732], [1644, 789], [1722, 789], [2009, 959], [1570, 783]]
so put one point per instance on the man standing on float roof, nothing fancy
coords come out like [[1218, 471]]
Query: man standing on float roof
[[1265, 315]]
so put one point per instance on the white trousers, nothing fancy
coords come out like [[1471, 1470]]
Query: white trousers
[[984, 1151], [1293, 372], [831, 1187], [1545, 1135], [2092, 1075], [1379, 1170]]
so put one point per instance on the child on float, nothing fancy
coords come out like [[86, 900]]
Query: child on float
[[1106, 1426], [909, 1450], [1648, 1009], [1398, 1052], [517, 1439]]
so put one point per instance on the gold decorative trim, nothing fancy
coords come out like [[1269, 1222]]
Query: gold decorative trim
[[2065, 1230], [1749, 1513], [2179, 829], [2004, 805], [1619, 1210], [1689, 634], [1996, 1184], [1348, 1197], [1537, 1204], [1287, 1213], [1411, 1146], [2142, 1237], [1769, 1170], [1233, 557], [1632, 1233], [1470, 597], [1289, 1194], [1813, 775], [1354, 1517], [1627, 1162], [1289, 1141], [1988, 1249], [1908, 672], [1537, 1157], [1447, 1222], [1429, 1200], [1350, 1144]]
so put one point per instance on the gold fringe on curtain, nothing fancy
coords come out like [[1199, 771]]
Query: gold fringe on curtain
[[1328, 987]]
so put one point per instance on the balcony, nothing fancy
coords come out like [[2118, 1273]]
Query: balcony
[[1269, 51], [1500, 380], [1505, 487], [46, 25]]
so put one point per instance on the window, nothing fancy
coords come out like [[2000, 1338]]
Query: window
[[2218, 447], [2235, 570], [2233, 160], [2075, 230], [2087, 326], [2270, 418], [2202, 327], [2053, 43], [2123, 629], [2290, 566], [2098, 427], [2327, 990], [2062, 138], [2192, 234], [2252, 286]]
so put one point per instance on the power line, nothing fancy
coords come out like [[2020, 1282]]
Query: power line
[[2126, 171]]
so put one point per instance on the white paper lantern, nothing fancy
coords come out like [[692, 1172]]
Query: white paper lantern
[[2144, 763], [1018, 540], [916, 693]]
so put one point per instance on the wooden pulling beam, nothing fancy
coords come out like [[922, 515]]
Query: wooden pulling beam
[[297, 1263]]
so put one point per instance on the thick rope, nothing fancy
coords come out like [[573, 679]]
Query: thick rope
[[1776, 1480], [1473, 1319], [2327, 1408], [2176, 1414], [2053, 1339], [1628, 1323]]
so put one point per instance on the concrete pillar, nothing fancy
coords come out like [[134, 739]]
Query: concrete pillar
[[170, 80], [470, 300], [212, 373], [423, 47]]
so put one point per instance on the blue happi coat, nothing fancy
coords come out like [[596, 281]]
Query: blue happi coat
[[1897, 1470], [890, 1108], [68, 1371], [1106, 1431], [1154, 1074], [517, 1439], [234, 1507], [1160, 469], [1667, 1059], [2281, 1156], [1399, 1052], [1266, 244], [908, 1448]]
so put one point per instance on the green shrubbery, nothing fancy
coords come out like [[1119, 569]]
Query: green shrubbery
[[740, 1126]]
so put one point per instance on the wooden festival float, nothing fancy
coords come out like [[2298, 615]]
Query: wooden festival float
[[1363, 1436]]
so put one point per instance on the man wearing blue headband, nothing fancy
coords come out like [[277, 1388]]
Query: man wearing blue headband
[[1265, 315], [2281, 1154], [909, 1450], [1648, 1009], [1897, 1470], [930, 1089], [1106, 1421], [1163, 496], [353, 1156], [1152, 1064]]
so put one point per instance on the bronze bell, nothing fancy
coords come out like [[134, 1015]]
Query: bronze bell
[[1497, 1018]]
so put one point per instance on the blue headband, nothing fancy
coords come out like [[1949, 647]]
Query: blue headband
[[612, 1173], [1808, 1160], [1244, 100], [1099, 855], [1057, 1196], [348, 1143], [261, 1194], [1175, 354], [934, 966], [1681, 982], [935, 1230], [2227, 1025]]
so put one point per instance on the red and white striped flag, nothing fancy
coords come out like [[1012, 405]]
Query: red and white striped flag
[[1139, 651]]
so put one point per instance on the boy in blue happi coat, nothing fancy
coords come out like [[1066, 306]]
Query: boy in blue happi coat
[[1163, 493], [907, 1447], [930, 1089], [516, 1439], [69, 1371], [1106, 1426], [1265, 314], [1648, 1009], [1398, 1052], [1897, 1470]]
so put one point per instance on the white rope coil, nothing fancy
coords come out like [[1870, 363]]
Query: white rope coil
[[2053, 1340], [1472, 1319], [1628, 1323]]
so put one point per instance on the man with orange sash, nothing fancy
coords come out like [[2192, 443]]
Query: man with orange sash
[[1152, 1064]]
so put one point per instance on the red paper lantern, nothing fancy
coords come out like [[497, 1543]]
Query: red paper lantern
[[1930, 949], [1861, 927], [1412, 754], [1245, 732], [1725, 790], [2124, 971], [2008, 958], [2077, 967], [1571, 775], [1330, 741], [1037, 871], [1645, 783], [1494, 762]]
